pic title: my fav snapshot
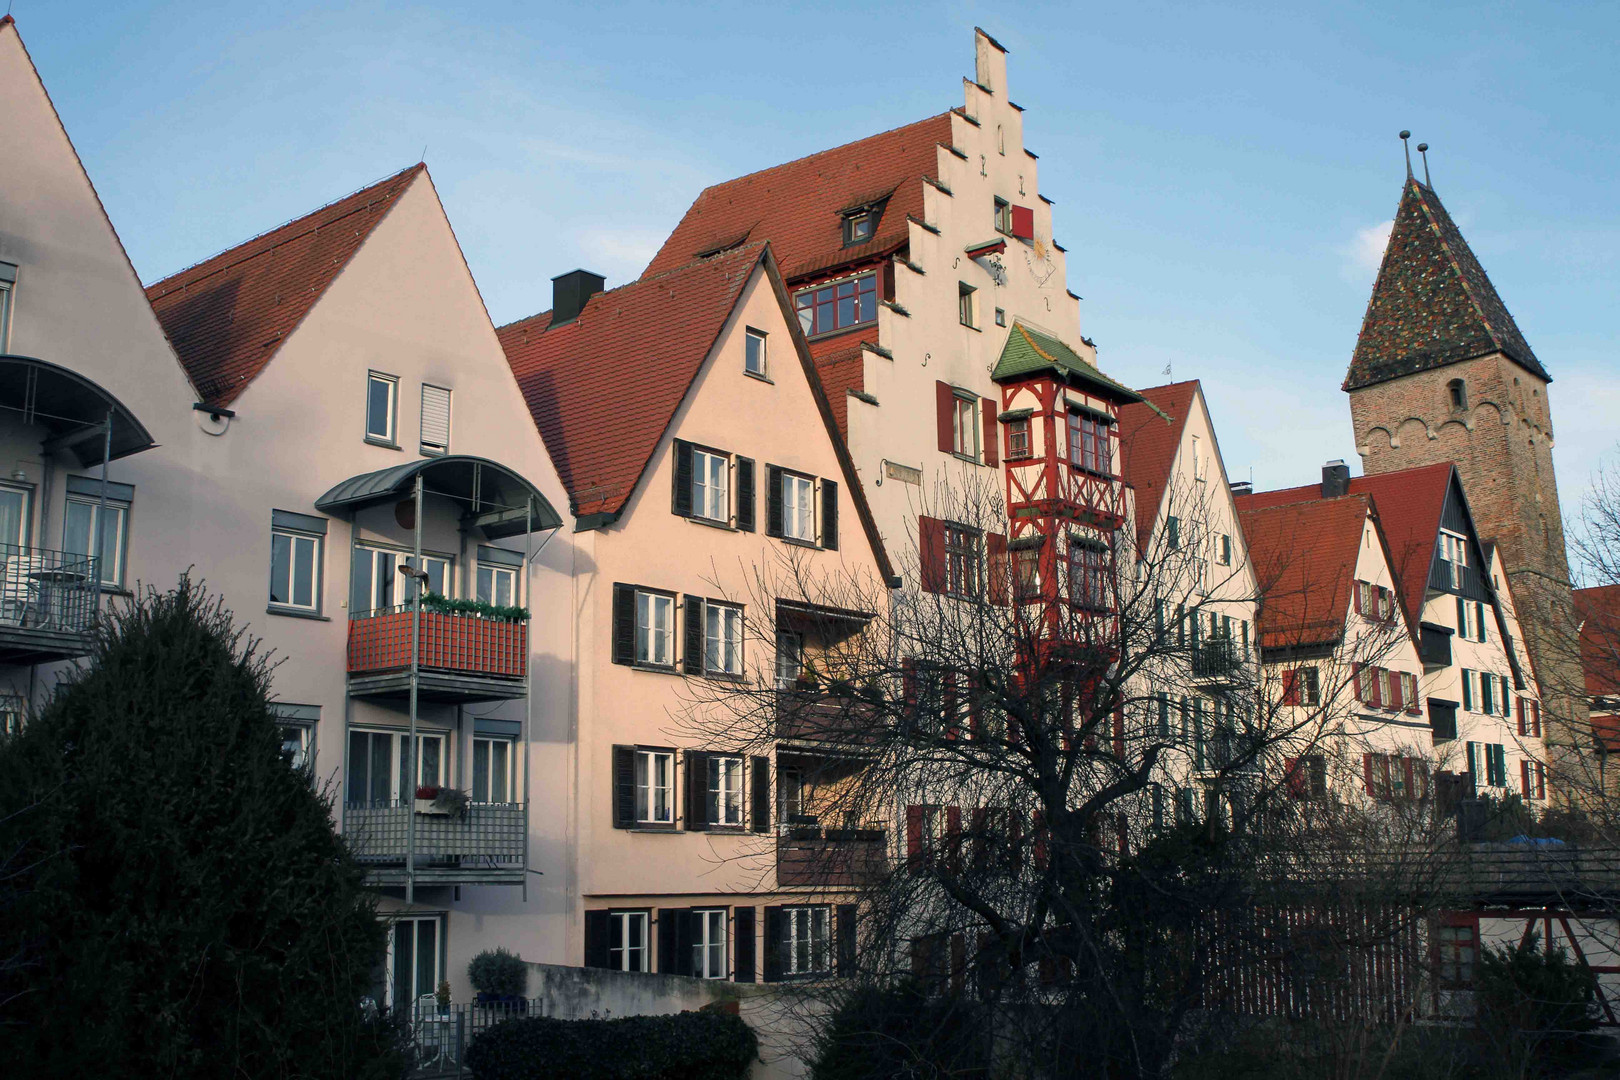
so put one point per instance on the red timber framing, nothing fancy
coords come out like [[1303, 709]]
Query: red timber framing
[[1050, 499], [1562, 928]]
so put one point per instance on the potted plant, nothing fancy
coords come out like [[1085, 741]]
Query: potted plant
[[500, 977], [442, 994], [444, 801]]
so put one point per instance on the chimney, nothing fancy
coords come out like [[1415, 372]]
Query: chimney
[[1335, 479], [570, 291], [1242, 487]]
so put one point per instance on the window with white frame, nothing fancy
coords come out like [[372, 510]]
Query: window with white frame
[[375, 581], [754, 353], [435, 420], [8, 285], [725, 798], [1454, 551], [710, 489], [655, 629], [965, 427], [789, 658], [493, 759], [627, 941], [722, 639], [378, 769], [414, 961], [809, 939], [709, 943], [295, 742], [382, 407], [13, 713], [15, 503], [79, 527], [798, 507], [655, 787], [295, 569], [497, 585], [791, 797]]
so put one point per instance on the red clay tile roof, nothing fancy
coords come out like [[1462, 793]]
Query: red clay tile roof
[[1408, 505], [797, 206], [841, 368], [1432, 304], [1148, 444], [227, 316], [1304, 557], [1599, 611]]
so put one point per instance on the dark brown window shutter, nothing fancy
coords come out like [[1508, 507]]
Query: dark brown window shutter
[[761, 796], [914, 836], [624, 787], [745, 494], [742, 949], [596, 939], [624, 624], [945, 414], [775, 937], [996, 551], [773, 501], [694, 635], [829, 514], [697, 790], [992, 432], [681, 498], [931, 551], [845, 942], [671, 923]]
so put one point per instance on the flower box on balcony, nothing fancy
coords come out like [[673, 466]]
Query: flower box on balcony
[[425, 806], [464, 644]]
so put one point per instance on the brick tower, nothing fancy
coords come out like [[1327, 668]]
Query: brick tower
[[1441, 373]]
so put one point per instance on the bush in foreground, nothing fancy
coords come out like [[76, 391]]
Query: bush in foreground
[[684, 1046]]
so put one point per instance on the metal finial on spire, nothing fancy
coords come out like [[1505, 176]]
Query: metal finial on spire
[[1423, 149], [1408, 152]]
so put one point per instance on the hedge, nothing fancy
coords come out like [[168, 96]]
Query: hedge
[[707, 1045]]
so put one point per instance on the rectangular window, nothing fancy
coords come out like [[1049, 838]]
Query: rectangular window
[[1027, 572], [725, 799], [1172, 533], [809, 939], [798, 507], [965, 427], [295, 569], [722, 639], [711, 497], [754, 353], [373, 578], [859, 225], [837, 305], [1088, 575], [1223, 553], [961, 561], [497, 585], [492, 770], [655, 787], [655, 629], [1088, 444], [1457, 946], [413, 957], [435, 420], [965, 303], [1018, 439], [295, 743], [1001, 317], [1454, 552], [709, 943], [1003, 216], [79, 530], [1487, 693], [627, 941], [382, 407], [378, 769], [790, 798], [789, 658], [8, 285]]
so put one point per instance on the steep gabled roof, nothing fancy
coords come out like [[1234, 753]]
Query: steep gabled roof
[[1028, 351], [652, 336], [228, 316], [1149, 433], [1304, 557], [797, 207], [1432, 304], [1409, 505]]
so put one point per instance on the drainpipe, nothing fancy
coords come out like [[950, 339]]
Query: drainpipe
[[416, 678], [101, 517]]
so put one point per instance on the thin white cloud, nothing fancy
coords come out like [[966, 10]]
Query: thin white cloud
[[1365, 252], [621, 253]]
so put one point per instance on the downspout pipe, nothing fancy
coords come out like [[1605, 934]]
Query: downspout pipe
[[529, 558], [96, 573]]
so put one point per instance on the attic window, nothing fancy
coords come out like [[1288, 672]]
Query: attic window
[[861, 225], [1457, 393]]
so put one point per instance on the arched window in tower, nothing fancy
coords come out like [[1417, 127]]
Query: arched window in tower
[[1457, 393]]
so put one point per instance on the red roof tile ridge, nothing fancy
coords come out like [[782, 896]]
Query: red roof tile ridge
[[826, 150], [158, 286]]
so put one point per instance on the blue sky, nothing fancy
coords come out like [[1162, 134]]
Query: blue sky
[[1221, 173]]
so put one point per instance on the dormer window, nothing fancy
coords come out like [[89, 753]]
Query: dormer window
[[837, 305], [861, 225]]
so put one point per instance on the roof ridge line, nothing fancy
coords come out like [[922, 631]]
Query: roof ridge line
[[1456, 266], [261, 235], [825, 150]]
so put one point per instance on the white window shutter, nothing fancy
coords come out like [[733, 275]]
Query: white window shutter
[[435, 419]]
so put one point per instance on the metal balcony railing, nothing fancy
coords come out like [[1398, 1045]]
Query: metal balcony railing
[[486, 836], [451, 641], [1218, 658], [47, 590]]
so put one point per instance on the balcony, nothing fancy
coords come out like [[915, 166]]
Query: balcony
[[1219, 660], [483, 846], [1434, 645], [463, 658], [48, 604], [1233, 752], [810, 716], [808, 855]]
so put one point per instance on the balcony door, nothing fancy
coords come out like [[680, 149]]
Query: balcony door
[[415, 956], [376, 584], [377, 767], [14, 503]]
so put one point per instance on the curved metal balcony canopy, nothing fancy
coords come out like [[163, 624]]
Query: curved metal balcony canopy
[[496, 499], [74, 411]]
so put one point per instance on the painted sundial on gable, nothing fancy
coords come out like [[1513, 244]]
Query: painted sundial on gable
[[1038, 258]]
